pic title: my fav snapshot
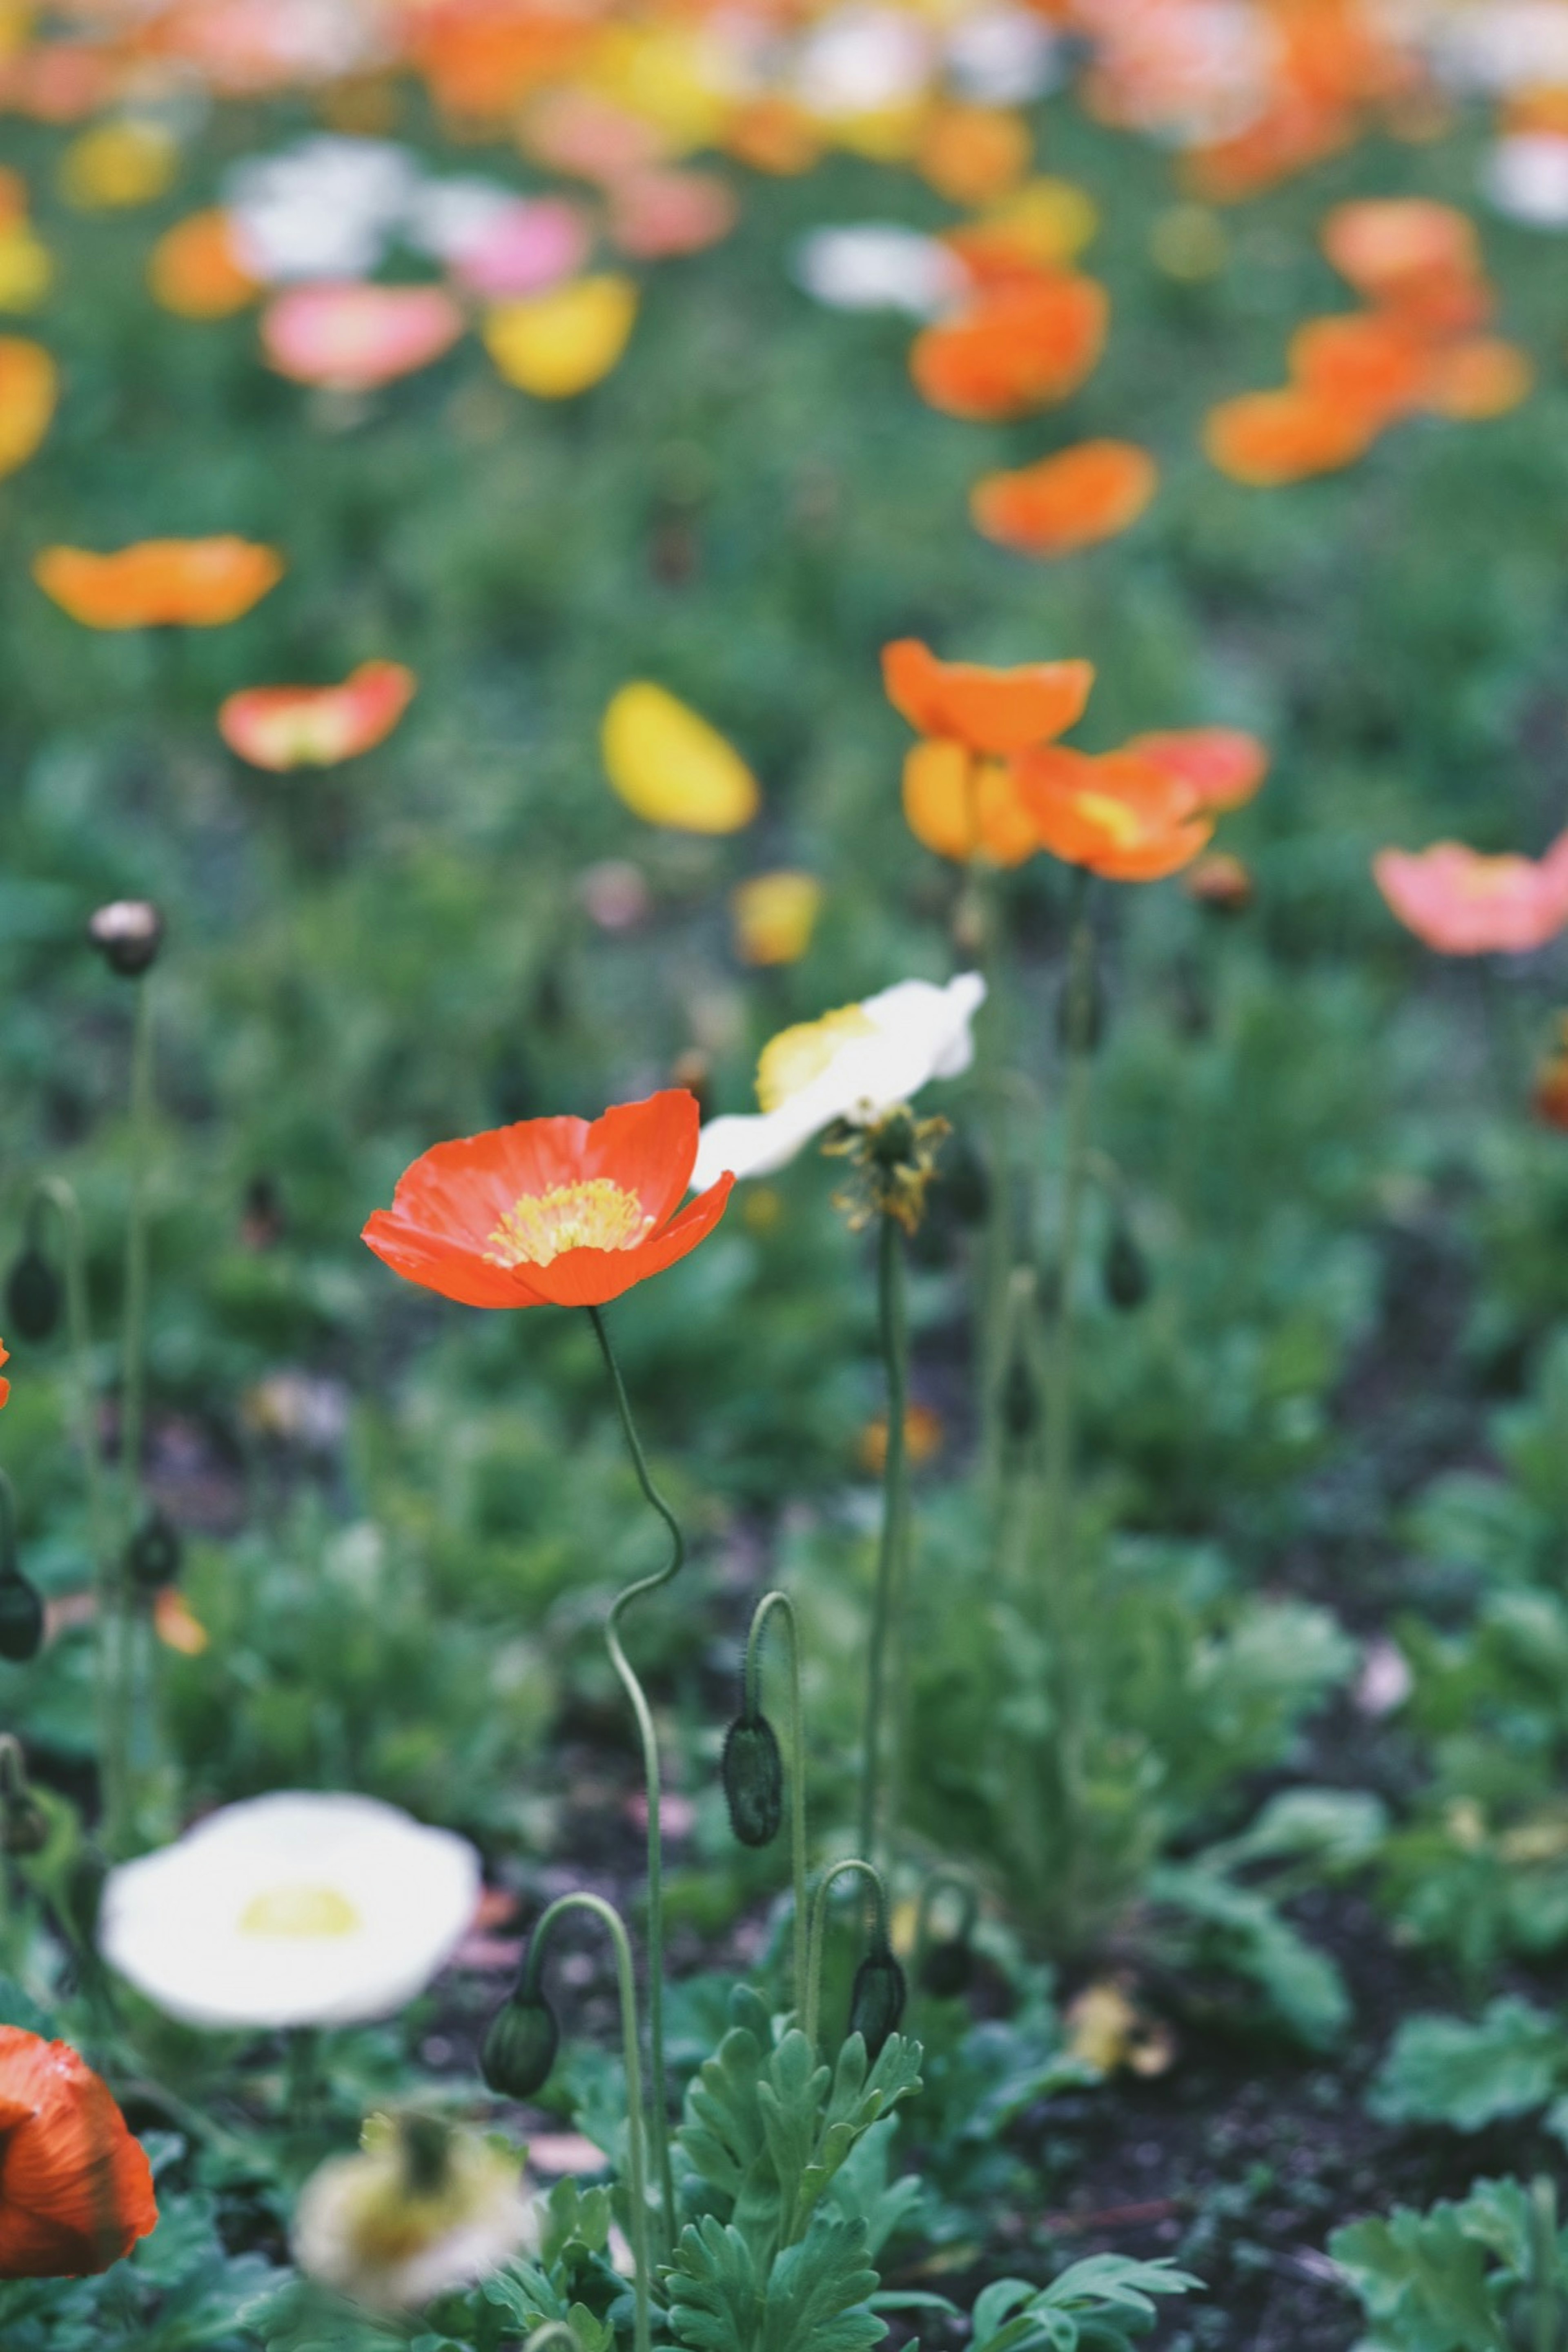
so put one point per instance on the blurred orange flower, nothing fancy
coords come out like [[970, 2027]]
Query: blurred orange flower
[[974, 154], [1371, 367], [176, 1624], [1016, 347], [1224, 766], [995, 712], [29, 387], [1220, 881], [1462, 903], [76, 2191], [963, 806], [353, 338], [1072, 501], [1411, 256], [1268, 438], [281, 727], [160, 582], [1117, 814], [195, 271], [1479, 377], [553, 1212]]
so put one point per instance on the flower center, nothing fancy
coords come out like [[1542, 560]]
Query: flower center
[[298, 1912], [1123, 824], [541, 1226], [795, 1056]]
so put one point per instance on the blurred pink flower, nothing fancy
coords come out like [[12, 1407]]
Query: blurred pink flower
[[1461, 903], [352, 337], [532, 244], [655, 215]]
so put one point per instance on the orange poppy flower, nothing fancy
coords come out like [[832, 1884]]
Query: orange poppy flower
[[1479, 377], [75, 2191], [283, 727], [553, 1212], [354, 337], [1016, 347], [994, 711], [1223, 766], [1461, 903], [974, 154], [1369, 365], [1267, 438], [195, 271], [964, 807], [1073, 500], [29, 387], [160, 582], [1119, 815], [1410, 255]]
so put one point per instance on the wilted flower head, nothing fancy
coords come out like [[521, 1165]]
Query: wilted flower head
[[75, 2191], [423, 2209]]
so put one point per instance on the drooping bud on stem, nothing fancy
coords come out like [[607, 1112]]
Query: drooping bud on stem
[[521, 2045], [128, 934], [754, 1780], [877, 2001]]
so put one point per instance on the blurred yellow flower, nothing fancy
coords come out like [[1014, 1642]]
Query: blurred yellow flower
[[26, 270], [671, 768], [557, 344], [118, 164], [175, 1624], [775, 915], [29, 387], [667, 75], [1049, 220]]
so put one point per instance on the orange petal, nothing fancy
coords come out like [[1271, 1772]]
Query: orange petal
[[195, 271], [29, 387], [1018, 346], [1268, 438], [283, 727], [1072, 501], [991, 710], [1479, 378], [160, 582], [961, 805], [1223, 766]]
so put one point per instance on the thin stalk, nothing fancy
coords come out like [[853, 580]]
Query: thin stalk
[[302, 2075], [873, 1877], [119, 1796], [658, 2111], [997, 1248], [779, 1604], [637, 2165], [1060, 1370], [894, 1326]]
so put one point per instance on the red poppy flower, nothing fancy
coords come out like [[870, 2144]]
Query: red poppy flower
[[75, 2191], [553, 1212], [283, 727]]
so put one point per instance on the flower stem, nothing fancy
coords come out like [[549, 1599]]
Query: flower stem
[[658, 2111], [118, 1792], [894, 1326], [997, 1253], [637, 2166], [780, 1604], [1060, 1385], [873, 1881]]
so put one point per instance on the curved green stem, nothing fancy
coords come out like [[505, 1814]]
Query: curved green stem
[[894, 1326], [658, 2111], [852, 1867], [637, 2166], [779, 1604]]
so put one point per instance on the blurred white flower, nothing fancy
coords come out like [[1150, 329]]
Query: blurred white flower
[[1505, 45], [422, 2210], [863, 61], [1002, 57], [1527, 178], [854, 1065], [326, 208], [875, 265], [445, 217], [295, 1909]]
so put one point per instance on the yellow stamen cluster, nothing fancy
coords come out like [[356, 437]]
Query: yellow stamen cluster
[[595, 1214], [299, 1912]]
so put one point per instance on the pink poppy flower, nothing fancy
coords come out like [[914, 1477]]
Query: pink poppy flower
[[283, 727], [1461, 903], [352, 337], [530, 245], [656, 214]]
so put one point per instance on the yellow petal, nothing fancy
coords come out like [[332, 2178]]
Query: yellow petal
[[775, 915], [118, 164], [29, 387], [26, 268], [671, 768], [559, 344]]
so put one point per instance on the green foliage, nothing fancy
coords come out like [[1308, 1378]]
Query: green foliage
[[1465, 2277], [1098, 2305], [1440, 2070]]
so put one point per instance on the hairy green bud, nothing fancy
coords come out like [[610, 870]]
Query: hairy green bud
[[754, 1780], [877, 2001], [519, 2046]]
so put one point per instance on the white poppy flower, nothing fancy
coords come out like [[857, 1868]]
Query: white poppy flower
[[855, 1065], [861, 60], [1527, 178], [876, 266], [421, 2211], [447, 216], [295, 1909], [326, 208], [1002, 57]]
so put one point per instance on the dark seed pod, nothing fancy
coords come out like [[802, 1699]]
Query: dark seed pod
[[21, 1619], [1125, 1270], [519, 2046], [1020, 1400], [153, 1555], [877, 2003], [127, 933], [34, 1293], [947, 1966], [754, 1780]]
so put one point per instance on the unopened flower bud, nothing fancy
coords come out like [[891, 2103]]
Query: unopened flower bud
[[947, 1966], [21, 1618], [1220, 882], [127, 933], [1125, 1269], [877, 2003], [153, 1555], [519, 2046], [754, 1780], [34, 1293]]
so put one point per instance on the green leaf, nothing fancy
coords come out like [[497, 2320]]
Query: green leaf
[[816, 2295], [1101, 2305], [715, 2290], [1422, 2281], [1239, 1928], [1441, 2070]]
